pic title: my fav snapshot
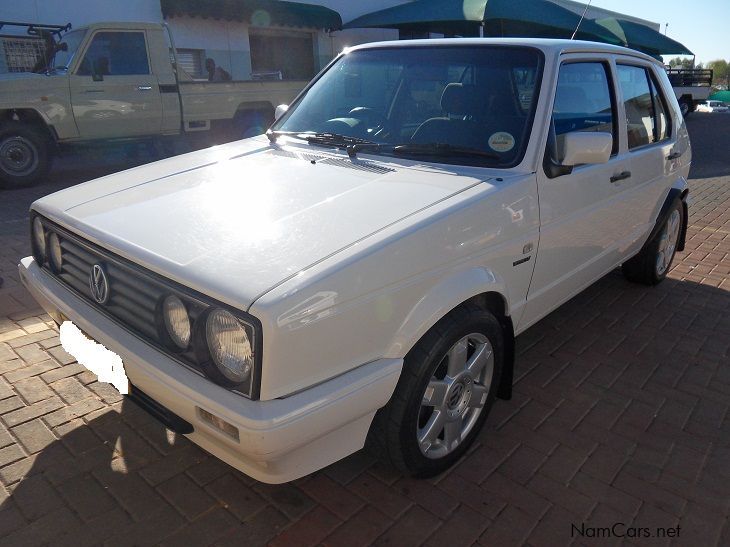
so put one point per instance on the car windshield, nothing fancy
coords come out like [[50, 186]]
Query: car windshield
[[65, 54], [467, 104]]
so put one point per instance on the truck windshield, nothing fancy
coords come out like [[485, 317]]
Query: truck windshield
[[445, 103], [64, 55]]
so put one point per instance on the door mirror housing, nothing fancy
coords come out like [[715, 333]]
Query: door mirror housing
[[97, 77], [280, 111], [579, 147]]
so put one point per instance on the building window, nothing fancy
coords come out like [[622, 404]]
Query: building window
[[280, 55], [21, 54], [191, 61]]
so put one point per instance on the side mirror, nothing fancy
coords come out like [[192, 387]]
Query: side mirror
[[578, 147], [97, 77], [280, 111]]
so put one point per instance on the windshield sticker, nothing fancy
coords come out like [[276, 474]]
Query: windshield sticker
[[501, 142]]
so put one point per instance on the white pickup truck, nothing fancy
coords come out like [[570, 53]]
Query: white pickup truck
[[117, 82], [360, 272]]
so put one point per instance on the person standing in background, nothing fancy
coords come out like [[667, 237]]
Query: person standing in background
[[216, 73]]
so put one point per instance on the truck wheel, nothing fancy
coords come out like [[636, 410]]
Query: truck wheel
[[686, 107], [25, 155], [251, 123], [652, 264], [444, 394]]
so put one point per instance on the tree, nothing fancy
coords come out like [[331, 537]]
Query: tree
[[679, 62], [721, 72]]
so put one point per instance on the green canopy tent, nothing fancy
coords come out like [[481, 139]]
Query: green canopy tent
[[525, 18], [723, 96], [642, 38], [256, 12]]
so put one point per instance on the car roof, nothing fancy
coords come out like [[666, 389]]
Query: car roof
[[556, 46]]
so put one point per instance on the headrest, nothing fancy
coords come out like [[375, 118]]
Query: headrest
[[458, 99]]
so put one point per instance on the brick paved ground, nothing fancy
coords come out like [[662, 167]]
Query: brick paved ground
[[620, 414]]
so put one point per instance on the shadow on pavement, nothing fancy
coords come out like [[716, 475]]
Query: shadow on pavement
[[710, 135], [119, 475]]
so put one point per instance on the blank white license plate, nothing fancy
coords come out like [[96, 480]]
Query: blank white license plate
[[103, 362]]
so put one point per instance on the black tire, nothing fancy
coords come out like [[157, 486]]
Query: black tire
[[686, 107], [25, 154], [644, 268], [393, 435], [250, 123]]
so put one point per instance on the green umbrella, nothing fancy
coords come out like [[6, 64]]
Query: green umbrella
[[723, 96], [525, 18], [642, 38]]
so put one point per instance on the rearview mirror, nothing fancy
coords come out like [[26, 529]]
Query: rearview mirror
[[280, 111], [578, 147]]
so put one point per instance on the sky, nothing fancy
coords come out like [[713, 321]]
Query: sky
[[701, 25]]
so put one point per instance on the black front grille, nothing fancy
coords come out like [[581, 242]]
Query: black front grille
[[134, 301], [134, 295]]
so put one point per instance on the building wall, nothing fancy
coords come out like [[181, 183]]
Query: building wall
[[227, 42]]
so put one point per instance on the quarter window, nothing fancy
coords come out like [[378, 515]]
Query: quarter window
[[663, 124], [647, 118], [116, 54], [584, 100]]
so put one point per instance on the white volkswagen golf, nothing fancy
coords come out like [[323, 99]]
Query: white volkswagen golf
[[360, 271]]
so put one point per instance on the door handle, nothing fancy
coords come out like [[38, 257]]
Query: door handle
[[144, 87], [621, 176], [93, 91], [674, 155]]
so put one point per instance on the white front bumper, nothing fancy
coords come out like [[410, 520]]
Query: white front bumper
[[280, 440]]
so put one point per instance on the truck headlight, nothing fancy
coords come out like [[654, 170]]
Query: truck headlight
[[230, 343], [55, 255], [39, 240], [177, 321]]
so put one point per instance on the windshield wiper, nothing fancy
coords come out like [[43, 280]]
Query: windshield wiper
[[427, 149], [301, 135], [331, 139]]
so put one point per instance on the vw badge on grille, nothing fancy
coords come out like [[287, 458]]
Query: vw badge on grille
[[99, 284]]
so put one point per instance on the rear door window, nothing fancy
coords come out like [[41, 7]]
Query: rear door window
[[647, 115]]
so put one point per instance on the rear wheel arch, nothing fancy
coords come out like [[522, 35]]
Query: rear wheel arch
[[253, 118]]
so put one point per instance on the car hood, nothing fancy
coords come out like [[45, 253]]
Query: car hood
[[235, 221]]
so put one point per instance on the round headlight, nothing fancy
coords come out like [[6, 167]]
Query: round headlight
[[177, 321], [229, 345], [54, 252], [39, 239]]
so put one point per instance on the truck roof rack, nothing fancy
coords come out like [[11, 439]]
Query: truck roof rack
[[37, 29]]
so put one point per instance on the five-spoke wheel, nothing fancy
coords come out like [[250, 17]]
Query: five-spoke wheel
[[455, 396], [444, 393]]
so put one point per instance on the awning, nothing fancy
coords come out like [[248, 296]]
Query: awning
[[261, 13], [533, 18], [723, 96], [642, 38]]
